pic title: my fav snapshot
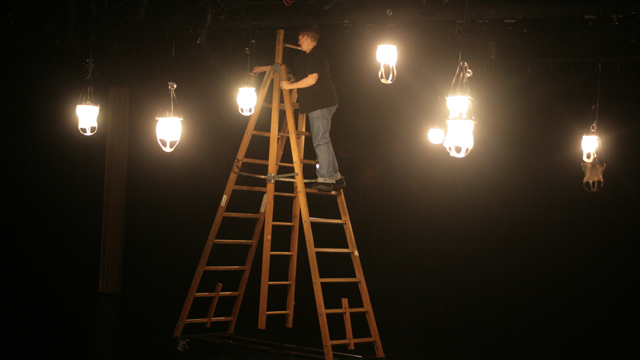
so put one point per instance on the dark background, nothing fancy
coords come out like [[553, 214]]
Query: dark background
[[501, 254]]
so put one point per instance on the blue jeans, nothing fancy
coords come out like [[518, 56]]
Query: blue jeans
[[320, 121]]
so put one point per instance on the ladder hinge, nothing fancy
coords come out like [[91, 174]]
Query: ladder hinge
[[271, 178]]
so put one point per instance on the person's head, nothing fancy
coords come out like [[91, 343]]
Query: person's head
[[308, 37]]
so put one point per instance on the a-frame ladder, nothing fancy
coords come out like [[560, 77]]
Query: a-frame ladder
[[264, 223]]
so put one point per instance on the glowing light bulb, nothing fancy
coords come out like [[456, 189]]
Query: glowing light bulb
[[387, 55], [168, 132], [589, 146], [87, 118], [436, 135], [247, 99], [459, 139]]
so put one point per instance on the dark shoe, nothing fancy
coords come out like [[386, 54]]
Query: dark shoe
[[340, 184], [322, 186]]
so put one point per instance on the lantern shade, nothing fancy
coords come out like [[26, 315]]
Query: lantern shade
[[459, 139], [436, 135], [387, 54], [589, 146], [168, 131], [458, 106], [87, 118], [247, 99]]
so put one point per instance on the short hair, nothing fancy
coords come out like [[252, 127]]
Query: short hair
[[312, 31]]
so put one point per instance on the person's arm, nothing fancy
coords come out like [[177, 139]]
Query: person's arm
[[310, 80]]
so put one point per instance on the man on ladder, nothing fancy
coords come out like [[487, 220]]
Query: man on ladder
[[317, 98]]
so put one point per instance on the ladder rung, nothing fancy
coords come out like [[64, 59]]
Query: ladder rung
[[279, 282], [212, 294], [342, 311], [240, 242], [225, 268], [261, 133], [281, 312], [256, 161], [347, 341], [304, 161], [328, 250], [284, 194], [281, 253], [326, 221], [339, 280], [282, 223], [193, 321], [250, 188], [242, 215], [294, 105], [303, 133]]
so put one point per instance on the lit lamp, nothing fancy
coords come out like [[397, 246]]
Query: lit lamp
[[87, 111], [169, 128], [247, 99], [87, 118], [459, 138], [593, 170], [387, 55]]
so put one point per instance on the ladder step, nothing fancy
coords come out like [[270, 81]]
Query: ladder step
[[342, 311], [326, 221], [281, 253], [240, 242], [303, 133], [212, 294], [347, 341], [328, 250], [282, 223], [224, 268], [281, 312], [304, 161], [339, 280], [249, 188], [279, 282], [256, 161], [242, 215], [261, 133], [266, 104], [193, 321]]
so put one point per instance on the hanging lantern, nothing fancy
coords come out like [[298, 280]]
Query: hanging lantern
[[247, 99], [87, 118], [387, 55], [169, 128], [459, 138], [593, 170], [87, 111]]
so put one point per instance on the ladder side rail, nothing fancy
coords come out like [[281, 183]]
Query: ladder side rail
[[222, 207], [355, 258], [295, 230], [308, 234], [273, 147]]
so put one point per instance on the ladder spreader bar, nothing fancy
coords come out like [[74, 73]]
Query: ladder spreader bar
[[240, 242], [225, 268], [328, 250], [242, 215], [347, 341], [339, 280], [342, 311], [193, 321], [326, 221], [212, 294]]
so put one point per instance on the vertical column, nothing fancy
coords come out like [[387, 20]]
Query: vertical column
[[114, 191]]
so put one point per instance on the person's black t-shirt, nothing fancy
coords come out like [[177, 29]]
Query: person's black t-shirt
[[322, 94]]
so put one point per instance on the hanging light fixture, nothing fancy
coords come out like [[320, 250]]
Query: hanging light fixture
[[459, 138], [86, 110], [169, 127], [593, 170], [247, 97], [387, 55]]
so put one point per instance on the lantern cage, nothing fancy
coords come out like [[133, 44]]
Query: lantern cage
[[169, 127]]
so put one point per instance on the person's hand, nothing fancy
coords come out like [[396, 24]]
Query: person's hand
[[259, 69], [286, 85]]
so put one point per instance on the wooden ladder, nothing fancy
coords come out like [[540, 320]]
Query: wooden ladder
[[264, 223]]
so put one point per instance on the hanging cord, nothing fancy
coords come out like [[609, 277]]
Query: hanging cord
[[595, 122]]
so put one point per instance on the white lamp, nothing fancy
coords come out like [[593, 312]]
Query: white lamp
[[436, 135], [459, 139], [387, 55], [87, 118], [247, 99], [589, 146], [169, 128]]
